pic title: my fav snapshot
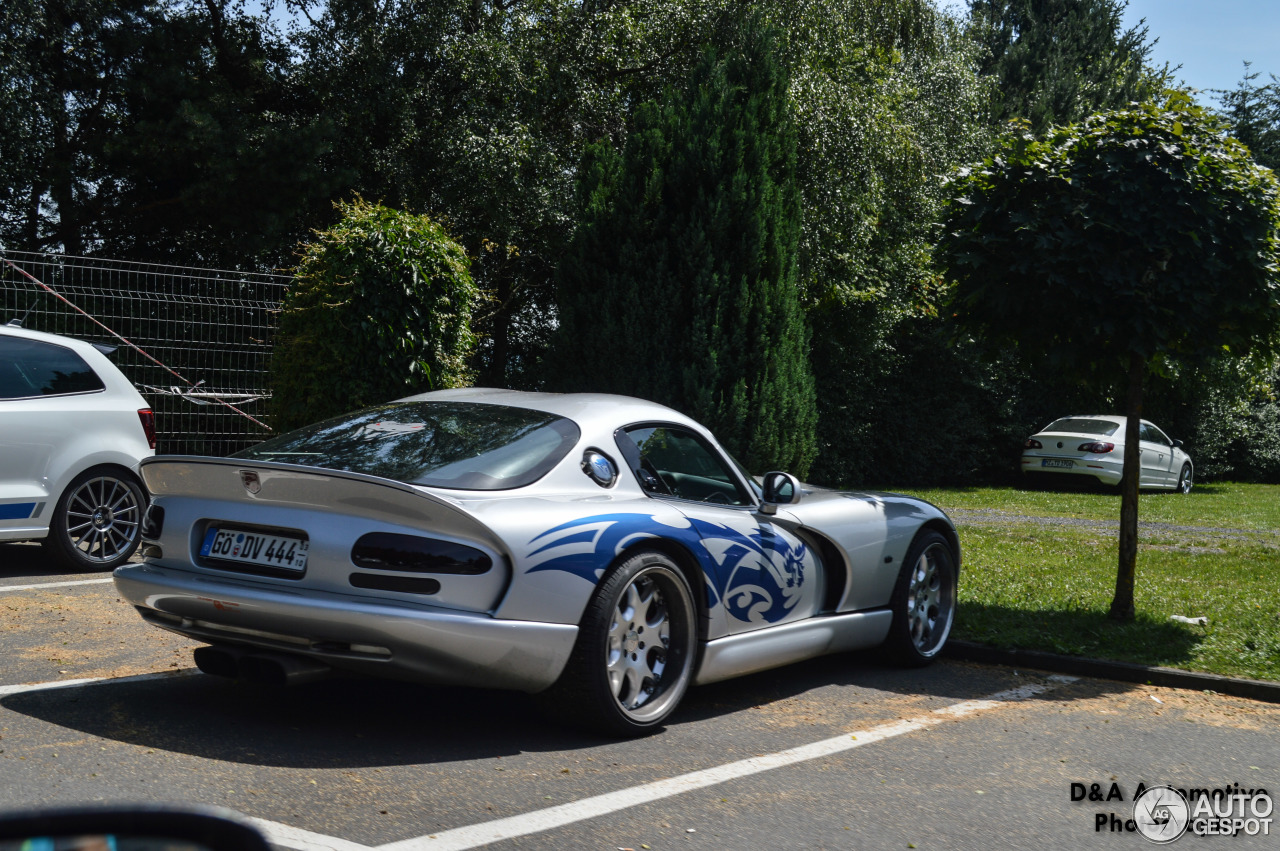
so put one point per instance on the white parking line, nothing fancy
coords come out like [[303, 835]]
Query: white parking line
[[67, 584], [6, 691], [284, 836], [478, 835]]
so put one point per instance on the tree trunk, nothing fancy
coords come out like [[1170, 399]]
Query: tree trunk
[[1122, 608]]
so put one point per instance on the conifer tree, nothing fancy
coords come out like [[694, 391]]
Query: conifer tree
[[681, 284], [1057, 61]]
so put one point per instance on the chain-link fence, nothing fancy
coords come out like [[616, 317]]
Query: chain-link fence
[[212, 328]]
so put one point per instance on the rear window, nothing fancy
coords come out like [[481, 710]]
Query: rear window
[[1074, 425], [461, 445], [32, 368]]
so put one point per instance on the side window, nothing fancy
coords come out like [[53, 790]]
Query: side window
[[672, 461], [1155, 435], [31, 368]]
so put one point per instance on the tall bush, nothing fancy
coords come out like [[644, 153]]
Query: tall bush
[[380, 307]]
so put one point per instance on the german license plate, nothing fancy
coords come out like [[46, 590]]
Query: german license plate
[[1054, 462], [264, 548]]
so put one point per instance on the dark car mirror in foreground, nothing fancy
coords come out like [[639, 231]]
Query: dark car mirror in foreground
[[134, 828]]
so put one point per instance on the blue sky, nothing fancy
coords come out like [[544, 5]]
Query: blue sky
[[1212, 39]]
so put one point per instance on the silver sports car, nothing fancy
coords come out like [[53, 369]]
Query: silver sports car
[[602, 552]]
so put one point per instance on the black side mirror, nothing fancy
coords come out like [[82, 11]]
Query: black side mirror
[[779, 489], [1177, 444]]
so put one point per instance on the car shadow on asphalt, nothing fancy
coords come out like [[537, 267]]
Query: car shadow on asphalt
[[30, 560], [353, 723]]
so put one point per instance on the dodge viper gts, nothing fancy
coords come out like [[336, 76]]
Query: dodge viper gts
[[602, 552]]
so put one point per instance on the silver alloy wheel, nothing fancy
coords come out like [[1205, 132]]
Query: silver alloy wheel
[[639, 637], [1184, 479], [648, 648], [930, 601], [102, 517], [637, 646]]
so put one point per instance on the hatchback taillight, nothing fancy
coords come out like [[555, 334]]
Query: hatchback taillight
[[1098, 448], [148, 425], [1032, 443]]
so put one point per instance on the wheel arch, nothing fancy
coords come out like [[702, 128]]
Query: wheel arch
[[689, 567], [947, 531]]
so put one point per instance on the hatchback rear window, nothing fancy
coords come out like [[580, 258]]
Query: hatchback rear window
[[1075, 425], [459, 445], [33, 368]]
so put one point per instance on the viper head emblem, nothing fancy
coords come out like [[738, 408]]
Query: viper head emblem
[[252, 483]]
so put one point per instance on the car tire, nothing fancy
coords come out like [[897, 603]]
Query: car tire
[[923, 601], [635, 652], [1184, 479], [97, 522]]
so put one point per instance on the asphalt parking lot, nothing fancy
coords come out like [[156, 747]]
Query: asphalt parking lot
[[841, 752]]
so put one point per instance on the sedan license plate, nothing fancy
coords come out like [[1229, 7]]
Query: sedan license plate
[[1054, 462], [264, 548]]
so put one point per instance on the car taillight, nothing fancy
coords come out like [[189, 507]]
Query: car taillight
[[1098, 448], [1032, 443], [148, 425]]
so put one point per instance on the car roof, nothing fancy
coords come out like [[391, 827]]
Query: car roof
[[589, 410], [1110, 418], [43, 336]]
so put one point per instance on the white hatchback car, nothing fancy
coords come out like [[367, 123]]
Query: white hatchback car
[[72, 432], [1094, 446]]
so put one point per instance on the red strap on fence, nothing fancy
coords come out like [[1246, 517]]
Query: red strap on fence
[[128, 343]]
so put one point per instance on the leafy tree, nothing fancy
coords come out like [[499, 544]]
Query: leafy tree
[[217, 159], [681, 285], [885, 98], [1138, 236], [478, 112], [1057, 61], [63, 67], [380, 307], [152, 131]]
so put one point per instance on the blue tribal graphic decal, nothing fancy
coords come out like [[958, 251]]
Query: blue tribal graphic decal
[[766, 572], [759, 573]]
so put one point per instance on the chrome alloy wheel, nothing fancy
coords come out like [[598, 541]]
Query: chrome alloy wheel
[[638, 643], [924, 600], [101, 520], [929, 603], [636, 649]]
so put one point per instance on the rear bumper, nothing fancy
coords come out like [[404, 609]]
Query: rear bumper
[[1107, 473], [384, 639]]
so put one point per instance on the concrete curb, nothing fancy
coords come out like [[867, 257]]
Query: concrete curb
[[1106, 670]]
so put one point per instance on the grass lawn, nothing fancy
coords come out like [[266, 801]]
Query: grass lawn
[[1040, 570]]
